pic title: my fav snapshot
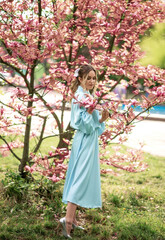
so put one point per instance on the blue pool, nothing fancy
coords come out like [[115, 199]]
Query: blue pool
[[159, 109]]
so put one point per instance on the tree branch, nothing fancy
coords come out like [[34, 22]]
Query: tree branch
[[17, 70], [9, 65], [111, 43], [118, 81], [66, 60], [62, 113], [7, 49], [10, 148], [110, 47], [39, 20], [51, 110], [128, 123], [41, 136], [36, 115], [111, 89]]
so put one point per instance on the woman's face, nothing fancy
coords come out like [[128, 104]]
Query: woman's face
[[90, 82]]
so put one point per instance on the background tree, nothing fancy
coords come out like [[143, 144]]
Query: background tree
[[61, 35], [153, 46]]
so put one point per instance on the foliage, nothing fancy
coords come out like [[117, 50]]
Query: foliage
[[15, 186], [60, 35], [153, 45], [25, 189]]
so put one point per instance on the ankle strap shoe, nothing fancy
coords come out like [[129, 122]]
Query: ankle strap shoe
[[64, 231]]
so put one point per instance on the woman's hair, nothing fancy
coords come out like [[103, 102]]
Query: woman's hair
[[82, 72]]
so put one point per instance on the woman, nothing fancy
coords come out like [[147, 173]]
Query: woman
[[82, 185]]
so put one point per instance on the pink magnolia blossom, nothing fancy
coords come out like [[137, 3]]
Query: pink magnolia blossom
[[54, 41], [86, 102]]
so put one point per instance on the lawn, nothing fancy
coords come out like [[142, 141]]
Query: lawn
[[133, 206]]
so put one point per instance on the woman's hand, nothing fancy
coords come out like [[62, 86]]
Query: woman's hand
[[90, 110], [105, 115]]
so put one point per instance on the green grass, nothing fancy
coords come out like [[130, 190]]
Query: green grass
[[133, 206]]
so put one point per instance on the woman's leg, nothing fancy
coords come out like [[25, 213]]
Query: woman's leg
[[74, 219], [70, 215]]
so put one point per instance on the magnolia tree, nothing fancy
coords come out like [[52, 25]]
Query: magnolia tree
[[66, 34]]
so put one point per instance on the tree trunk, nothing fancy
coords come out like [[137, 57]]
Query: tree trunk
[[25, 155], [68, 134]]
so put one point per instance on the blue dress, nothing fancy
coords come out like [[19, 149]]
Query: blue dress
[[82, 185]]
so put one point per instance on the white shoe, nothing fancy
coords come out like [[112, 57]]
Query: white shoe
[[64, 231], [77, 227]]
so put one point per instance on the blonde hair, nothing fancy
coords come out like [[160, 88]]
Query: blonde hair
[[83, 73]]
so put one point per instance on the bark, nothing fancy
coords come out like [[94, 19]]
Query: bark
[[25, 155], [68, 134]]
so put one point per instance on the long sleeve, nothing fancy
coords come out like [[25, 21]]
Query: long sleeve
[[82, 120]]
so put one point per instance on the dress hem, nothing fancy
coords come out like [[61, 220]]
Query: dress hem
[[81, 205]]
